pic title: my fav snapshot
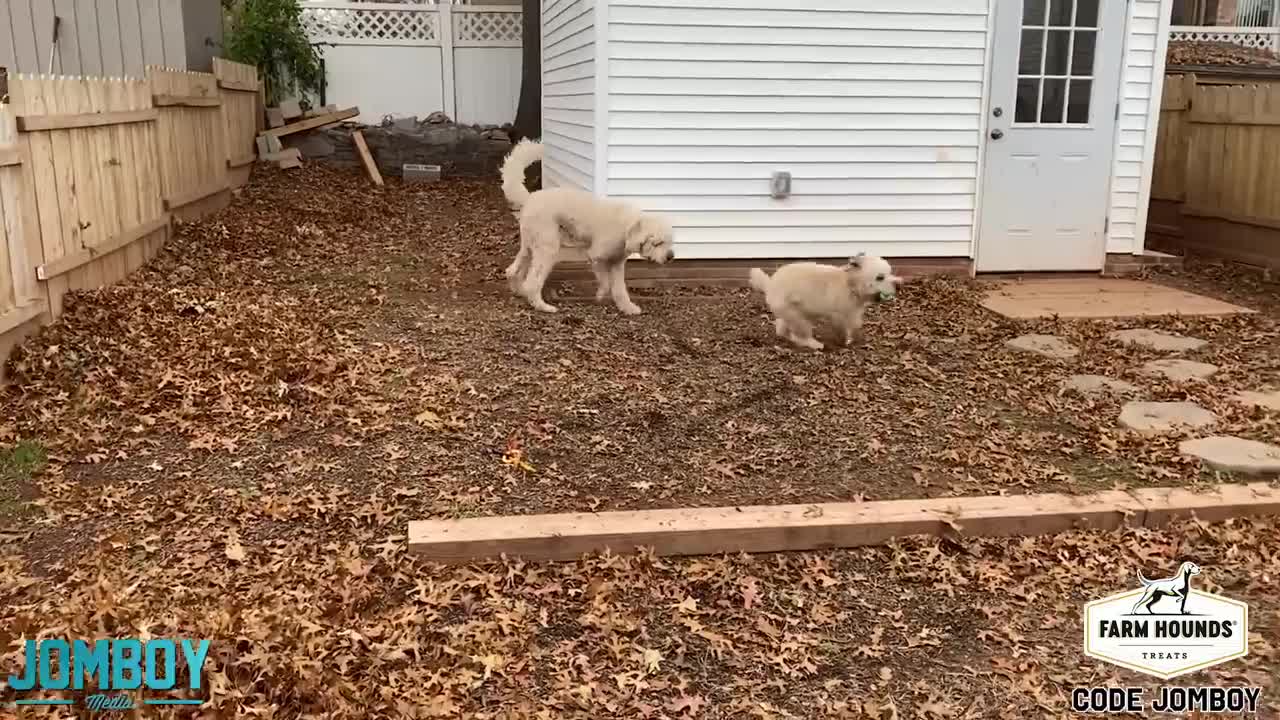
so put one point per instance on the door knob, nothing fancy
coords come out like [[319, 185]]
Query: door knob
[[997, 134]]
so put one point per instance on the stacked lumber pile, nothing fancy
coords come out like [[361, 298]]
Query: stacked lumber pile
[[1187, 52], [288, 118]]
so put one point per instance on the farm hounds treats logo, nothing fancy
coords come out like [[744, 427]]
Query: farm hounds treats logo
[[119, 666], [1167, 629]]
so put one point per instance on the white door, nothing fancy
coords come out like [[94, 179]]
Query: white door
[[1055, 72]]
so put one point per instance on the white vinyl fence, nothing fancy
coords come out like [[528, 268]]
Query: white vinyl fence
[[1266, 38], [414, 59]]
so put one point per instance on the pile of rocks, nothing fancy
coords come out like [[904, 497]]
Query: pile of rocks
[[459, 150]]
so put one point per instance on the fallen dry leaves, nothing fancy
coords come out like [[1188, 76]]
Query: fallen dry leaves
[[240, 432], [1187, 52]]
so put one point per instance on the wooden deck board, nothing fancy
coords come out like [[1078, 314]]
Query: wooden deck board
[[783, 528]]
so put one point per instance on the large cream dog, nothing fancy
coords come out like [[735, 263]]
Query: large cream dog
[[803, 293], [553, 218]]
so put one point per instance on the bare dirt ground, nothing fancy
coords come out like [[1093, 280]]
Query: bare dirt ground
[[237, 435]]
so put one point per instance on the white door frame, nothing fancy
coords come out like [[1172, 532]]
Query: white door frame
[[984, 127]]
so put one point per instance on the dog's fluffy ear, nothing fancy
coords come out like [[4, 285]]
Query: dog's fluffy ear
[[856, 261]]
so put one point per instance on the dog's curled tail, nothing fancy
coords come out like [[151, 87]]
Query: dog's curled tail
[[525, 153], [1142, 578], [759, 279]]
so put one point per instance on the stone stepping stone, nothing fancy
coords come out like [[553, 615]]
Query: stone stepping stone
[[1097, 385], [1157, 339], [1233, 454], [1178, 369], [1165, 416], [1266, 399], [1050, 346]]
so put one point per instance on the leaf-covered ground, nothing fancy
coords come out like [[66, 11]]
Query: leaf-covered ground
[[237, 435]]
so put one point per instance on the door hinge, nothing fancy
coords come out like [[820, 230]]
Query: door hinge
[[1106, 223], [1117, 110]]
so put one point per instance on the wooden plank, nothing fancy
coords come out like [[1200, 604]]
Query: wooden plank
[[60, 99], [699, 531], [150, 193], [241, 160], [1230, 118], [1270, 223], [196, 195], [786, 528], [313, 123], [1222, 239], [68, 263], [21, 315], [185, 101], [370, 167], [238, 85], [121, 171], [32, 123], [1226, 501], [96, 214], [41, 219], [10, 156]]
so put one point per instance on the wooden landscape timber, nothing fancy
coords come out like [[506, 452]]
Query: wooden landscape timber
[[366, 159], [783, 528], [312, 123]]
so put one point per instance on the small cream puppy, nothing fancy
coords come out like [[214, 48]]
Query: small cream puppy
[[803, 293]]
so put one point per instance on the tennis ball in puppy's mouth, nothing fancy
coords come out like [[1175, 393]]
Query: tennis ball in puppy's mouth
[[885, 296]]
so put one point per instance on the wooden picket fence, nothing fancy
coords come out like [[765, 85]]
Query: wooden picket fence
[[94, 170], [1216, 185]]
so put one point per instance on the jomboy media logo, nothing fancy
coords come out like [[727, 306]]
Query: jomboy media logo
[[1166, 628], [118, 666]]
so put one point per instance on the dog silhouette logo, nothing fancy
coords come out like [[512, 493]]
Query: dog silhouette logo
[[1165, 627], [1177, 586]]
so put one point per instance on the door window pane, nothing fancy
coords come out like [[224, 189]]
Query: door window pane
[[1028, 100], [1033, 12], [1086, 13], [1031, 52], [1057, 52], [1078, 101], [1060, 13], [1053, 100], [1055, 61], [1082, 52]]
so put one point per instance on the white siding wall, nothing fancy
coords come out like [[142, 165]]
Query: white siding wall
[[873, 107], [568, 93], [1140, 87]]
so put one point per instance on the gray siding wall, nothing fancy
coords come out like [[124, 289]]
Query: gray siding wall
[[96, 37]]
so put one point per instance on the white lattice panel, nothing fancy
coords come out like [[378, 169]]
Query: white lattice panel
[[487, 28], [343, 23], [1247, 37]]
